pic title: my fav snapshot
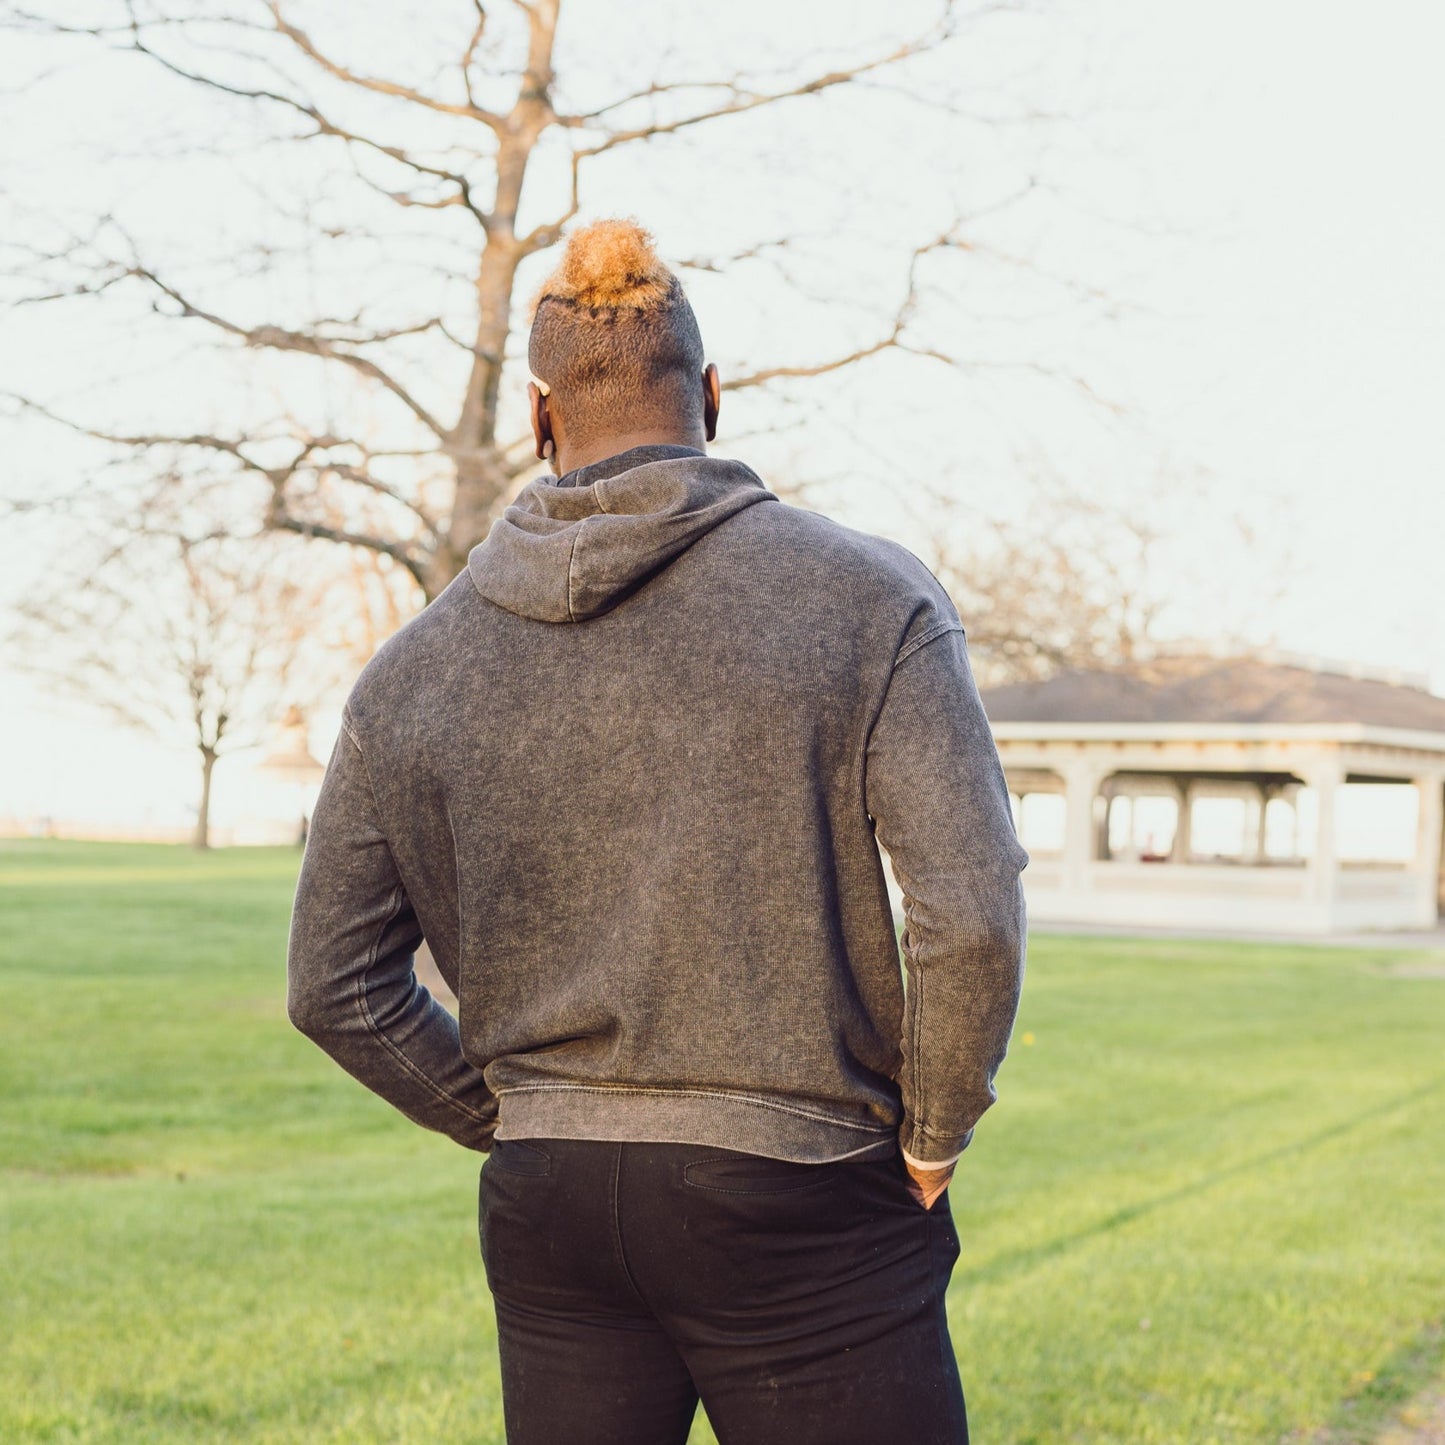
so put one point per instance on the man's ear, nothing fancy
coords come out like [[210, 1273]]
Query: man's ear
[[541, 423], [711, 400]]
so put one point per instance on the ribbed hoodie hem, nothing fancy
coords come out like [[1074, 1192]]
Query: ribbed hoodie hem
[[715, 1119]]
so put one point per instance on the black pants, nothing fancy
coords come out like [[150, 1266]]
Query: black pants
[[802, 1302]]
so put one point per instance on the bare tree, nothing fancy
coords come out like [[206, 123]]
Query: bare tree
[[199, 644], [1106, 579], [1073, 583], [415, 472]]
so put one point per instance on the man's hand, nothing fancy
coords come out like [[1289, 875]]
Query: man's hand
[[925, 1185]]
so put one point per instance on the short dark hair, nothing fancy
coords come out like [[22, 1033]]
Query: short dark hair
[[613, 335]]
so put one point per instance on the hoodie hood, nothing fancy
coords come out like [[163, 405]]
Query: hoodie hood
[[572, 548]]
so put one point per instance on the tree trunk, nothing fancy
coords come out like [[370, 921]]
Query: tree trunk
[[482, 472], [203, 812]]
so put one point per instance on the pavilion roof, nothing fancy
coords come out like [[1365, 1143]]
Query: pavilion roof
[[1214, 690]]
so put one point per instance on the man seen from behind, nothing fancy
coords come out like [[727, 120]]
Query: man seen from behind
[[628, 777]]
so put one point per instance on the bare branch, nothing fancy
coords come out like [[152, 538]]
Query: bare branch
[[362, 478], [280, 338], [897, 338], [323, 125], [474, 41], [742, 100], [276, 476], [206, 440], [650, 92], [281, 520], [716, 265], [821, 368], [303, 42]]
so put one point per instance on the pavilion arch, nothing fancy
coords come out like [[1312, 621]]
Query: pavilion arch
[[1154, 816]]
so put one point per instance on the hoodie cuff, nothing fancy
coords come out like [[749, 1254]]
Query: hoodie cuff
[[948, 1151], [929, 1163]]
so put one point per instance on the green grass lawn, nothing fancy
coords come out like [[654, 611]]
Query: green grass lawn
[[1210, 1205]]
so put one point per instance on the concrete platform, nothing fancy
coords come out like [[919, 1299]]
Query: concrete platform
[[1431, 940]]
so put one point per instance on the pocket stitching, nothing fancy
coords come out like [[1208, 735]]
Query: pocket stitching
[[825, 1174], [531, 1157]]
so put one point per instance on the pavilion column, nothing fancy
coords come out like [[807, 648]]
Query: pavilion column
[[1291, 796], [1428, 843], [1261, 837], [1324, 865], [1100, 847], [1179, 851], [1081, 787]]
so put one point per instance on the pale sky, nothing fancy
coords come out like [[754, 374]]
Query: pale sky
[[1253, 185]]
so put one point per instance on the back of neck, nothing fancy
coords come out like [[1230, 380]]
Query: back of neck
[[595, 449]]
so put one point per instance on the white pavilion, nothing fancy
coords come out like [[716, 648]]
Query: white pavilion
[[1206, 792]]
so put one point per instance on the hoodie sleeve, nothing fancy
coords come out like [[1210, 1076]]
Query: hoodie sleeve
[[351, 986], [936, 792]]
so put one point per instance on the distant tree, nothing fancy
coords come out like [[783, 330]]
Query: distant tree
[[1086, 580], [197, 643]]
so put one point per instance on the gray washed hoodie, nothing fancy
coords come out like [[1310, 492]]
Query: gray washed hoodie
[[628, 775]]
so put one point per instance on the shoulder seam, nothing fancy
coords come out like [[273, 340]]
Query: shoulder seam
[[924, 638]]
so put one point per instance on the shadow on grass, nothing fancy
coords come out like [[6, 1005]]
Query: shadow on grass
[[1019, 1260]]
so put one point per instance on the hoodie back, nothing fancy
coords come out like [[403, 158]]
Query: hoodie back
[[628, 776]]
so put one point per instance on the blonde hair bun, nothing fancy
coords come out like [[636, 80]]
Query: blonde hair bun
[[608, 265]]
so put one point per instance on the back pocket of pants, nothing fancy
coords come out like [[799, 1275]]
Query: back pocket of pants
[[737, 1173], [519, 1156]]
